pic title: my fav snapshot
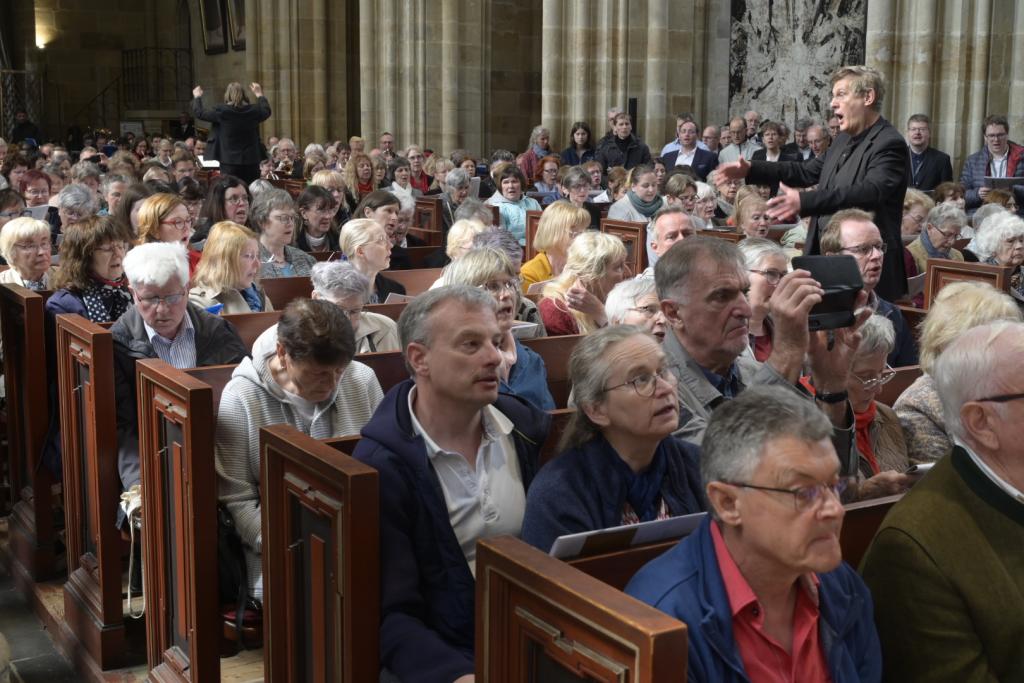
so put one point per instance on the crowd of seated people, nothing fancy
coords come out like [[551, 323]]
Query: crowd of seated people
[[696, 385]]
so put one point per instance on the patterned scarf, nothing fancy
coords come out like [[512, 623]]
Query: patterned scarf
[[106, 300], [647, 209]]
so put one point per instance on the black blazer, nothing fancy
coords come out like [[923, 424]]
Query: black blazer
[[935, 168], [762, 155], [235, 135], [704, 162], [873, 175]]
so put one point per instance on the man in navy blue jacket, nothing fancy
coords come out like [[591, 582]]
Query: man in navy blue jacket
[[455, 458], [761, 583]]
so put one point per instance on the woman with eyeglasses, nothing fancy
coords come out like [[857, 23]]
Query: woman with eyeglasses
[[273, 214], [546, 178], [941, 231], [766, 264], [366, 245], [620, 463], [559, 225], [635, 302], [227, 279], [90, 279], [25, 245], [916, 205], [35, 188], [227, 200], [522, 371], [1001, 242], [340, 283], [317, 208], [165, 218], [418, 177], [880, 441]]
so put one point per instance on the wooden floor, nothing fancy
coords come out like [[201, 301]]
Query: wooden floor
[[47, 600]]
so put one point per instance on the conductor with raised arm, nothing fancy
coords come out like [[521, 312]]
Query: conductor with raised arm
[[235, 138], [866, 167]]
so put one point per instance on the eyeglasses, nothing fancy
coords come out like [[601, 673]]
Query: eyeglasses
[[771, 275], [285, 218], [955, 235], [804, 497], [44, 245], [154, 301], [866, 249], [646, 384], [112, 247], [16, 213], [995, 136], [1001, 398], [650, 310], [550, 170], [874, 382], [241, 199], [180, 224], [37, 192], [352, 312], [496, 288]]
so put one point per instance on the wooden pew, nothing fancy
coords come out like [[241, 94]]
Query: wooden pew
[[532, 223], [320, 559], [292, 186], [32, 533], [941, 272], [634, 235], [431, 238], [283, 290], [730, 235], [913, 317], [538, 618], [392, 311], [860, 524], [427, 215], [556, 351], [389, 366], [903, 378], [93, 607], [183, 622], [251, 325], [414, 281], [419, 255]]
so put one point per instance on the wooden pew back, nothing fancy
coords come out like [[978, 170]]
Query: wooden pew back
[[537, 618], [532, 223], [941, 272], [723, 234], [389, 366], [283, 290], [251, 325], [320, 560], [427, 215], [634, 235], [414, 281], [556, 351]]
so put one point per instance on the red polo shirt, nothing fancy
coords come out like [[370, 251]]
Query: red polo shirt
[[763, 658]]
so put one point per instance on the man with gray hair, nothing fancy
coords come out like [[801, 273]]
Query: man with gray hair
[[162, 324], [799, 146], [702, 284], [945, 566], [669, 225], [455, 458], [761, 581]]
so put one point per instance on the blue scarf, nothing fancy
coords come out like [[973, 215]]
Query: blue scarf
[[253, 298], [643, 489], [929, 248], [540, 152]]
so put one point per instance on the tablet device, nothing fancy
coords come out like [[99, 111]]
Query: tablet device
[[840, 277]]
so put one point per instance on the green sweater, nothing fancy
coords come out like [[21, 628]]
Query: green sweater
[[946, 571]]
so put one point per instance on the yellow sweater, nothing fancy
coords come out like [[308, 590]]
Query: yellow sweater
[[537, 269]]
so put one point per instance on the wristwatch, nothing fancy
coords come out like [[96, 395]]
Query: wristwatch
[[833, 398]]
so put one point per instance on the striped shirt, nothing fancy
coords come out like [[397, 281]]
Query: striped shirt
[[180, 351]]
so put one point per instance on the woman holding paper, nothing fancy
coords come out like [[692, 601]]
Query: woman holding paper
[[620, 463]]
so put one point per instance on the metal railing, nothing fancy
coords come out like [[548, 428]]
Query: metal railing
[[21, 90], [157, 78]]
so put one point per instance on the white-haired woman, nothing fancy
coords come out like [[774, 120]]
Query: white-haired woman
[[26, 246], [620, 463], [522, 370], [366, 245], [635, 302], [766, 264], [573, 303], [344, 286], [1001, 242]]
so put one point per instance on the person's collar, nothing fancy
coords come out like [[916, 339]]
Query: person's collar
[[980, 463], [186, 324], [1001, 156], [727, 384], [493, 422]]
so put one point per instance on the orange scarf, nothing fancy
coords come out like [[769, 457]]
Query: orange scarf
[[864, 421]]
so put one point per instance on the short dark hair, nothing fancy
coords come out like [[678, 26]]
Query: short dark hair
[[317, 331], [374, 201], [995, 120], [919, 118]]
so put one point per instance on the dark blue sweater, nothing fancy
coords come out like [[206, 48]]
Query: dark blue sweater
[[427, 590], [584, 489]]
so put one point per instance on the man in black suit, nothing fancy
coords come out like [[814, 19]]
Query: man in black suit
[[928, 166], [867, 167], [800, 146], [700, 160]]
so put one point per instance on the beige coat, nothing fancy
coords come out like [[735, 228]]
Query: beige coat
[[232, 299]]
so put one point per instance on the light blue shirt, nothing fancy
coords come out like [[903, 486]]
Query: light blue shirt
[[180, 351]]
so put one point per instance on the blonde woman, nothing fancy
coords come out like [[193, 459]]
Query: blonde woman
[[916, 205], [957, 308], [559, 225], [752, 216], [165, 218], [334, 181], [366, 245], [459, 241], [438, 169], [358, 177], [228, 275], [574, 302]]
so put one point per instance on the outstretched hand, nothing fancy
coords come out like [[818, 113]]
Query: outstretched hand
[[197, 91], [733, 170], [785, 206], [257, 89]]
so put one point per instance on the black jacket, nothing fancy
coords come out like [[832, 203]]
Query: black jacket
[[384, 285], [935, 168], [704, 162], [302, 242], [872, 175], [609, 154], [235, 135]]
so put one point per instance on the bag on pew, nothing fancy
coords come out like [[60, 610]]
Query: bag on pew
[[131, 505], [246, 613]]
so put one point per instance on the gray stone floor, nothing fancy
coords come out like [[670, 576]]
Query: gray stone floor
[[34, 657]]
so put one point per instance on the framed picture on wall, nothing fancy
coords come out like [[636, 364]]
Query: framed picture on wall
[[236, 23], [215, 38]]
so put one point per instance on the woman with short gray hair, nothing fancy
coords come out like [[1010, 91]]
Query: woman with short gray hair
[[880, 440], [75, 203], [942, 228], [620, 463], [766, 264], [273, 214], [340, 283], [456, 189], [634, 301]]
